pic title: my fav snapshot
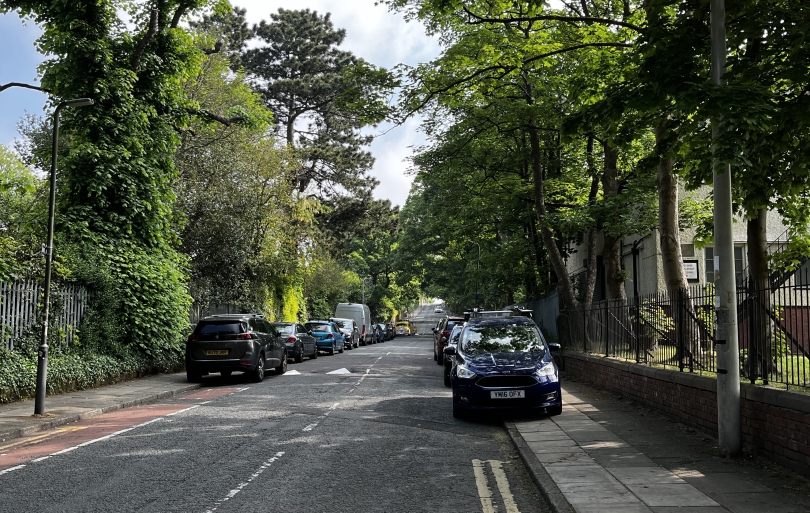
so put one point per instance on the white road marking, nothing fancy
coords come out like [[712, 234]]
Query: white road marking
[[321, 417], [292, 373], [11, 469], [484, 493], [242, 485], [174, 413], [343, 370]]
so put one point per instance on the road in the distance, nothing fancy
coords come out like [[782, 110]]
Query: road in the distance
[[377, 437]]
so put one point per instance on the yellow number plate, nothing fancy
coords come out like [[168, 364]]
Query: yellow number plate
[[216, 352]]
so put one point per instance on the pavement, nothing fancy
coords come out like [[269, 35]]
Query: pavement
[[17, 419], [606, 455]]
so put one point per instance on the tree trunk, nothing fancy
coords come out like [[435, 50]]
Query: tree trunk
[[564, 286], [590, 273], [672, 258], [611, 245], [761, 361]]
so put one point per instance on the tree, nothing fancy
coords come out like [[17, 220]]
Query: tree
[[306, 80]]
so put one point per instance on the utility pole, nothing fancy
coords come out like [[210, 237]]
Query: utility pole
[[729, 432]]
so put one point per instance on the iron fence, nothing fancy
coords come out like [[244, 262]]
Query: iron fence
[[21, 309], [678, 331]]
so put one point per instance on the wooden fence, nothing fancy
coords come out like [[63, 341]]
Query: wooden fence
[[20, 309]]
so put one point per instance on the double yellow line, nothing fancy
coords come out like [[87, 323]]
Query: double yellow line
[[31, 440], [485, 493]]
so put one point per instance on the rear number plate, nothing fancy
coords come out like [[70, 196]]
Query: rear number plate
[[216, 352], [507, 394]]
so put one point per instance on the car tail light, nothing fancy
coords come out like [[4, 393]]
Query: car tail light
[[291, 340], [364, 329], [330, 336], [193, 337], [244, 336]]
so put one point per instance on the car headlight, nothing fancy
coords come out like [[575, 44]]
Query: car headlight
[[464, 372], [546, 371]]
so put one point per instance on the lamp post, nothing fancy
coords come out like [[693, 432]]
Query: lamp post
[[42, 353]]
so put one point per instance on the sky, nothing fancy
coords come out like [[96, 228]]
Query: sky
[[372, 33]]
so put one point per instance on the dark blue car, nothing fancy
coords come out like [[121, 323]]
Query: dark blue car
[[327, 336], [504, 364]]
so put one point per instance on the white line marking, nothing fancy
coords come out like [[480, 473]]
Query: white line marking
[[292, 373], [242, 485], [63, 451], [40, 459], [320, 418], [503, 486], [484, 493], [11, 469], [343, 370], [174, 413], [205, 402]]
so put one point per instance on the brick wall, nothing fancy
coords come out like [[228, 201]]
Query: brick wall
[[775, 423]]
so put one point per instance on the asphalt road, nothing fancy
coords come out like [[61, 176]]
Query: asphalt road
[[379, 436]]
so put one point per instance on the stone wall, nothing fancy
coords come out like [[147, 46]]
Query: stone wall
[[775, 423]]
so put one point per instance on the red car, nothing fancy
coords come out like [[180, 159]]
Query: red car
[[441, 334]]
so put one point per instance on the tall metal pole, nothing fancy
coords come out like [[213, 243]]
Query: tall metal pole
[[42, 353], [728, 353]]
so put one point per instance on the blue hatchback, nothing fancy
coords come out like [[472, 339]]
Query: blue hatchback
[[504, 364], [327, 336]]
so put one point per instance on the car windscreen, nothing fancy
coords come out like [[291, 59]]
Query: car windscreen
[[340, 324], [501, 338], [221, 328], [451, 325], [285, 329], [318, 326]]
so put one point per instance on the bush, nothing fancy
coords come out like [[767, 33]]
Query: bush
[[77, 369]]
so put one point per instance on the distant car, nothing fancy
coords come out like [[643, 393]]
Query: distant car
[[402, 328], [362, 319], [327, 336], [349, 330], [389, 331], [504, 364], [438, 309], [413, 327], [441, 335], [379, 333], [234, 342], [300, 344]]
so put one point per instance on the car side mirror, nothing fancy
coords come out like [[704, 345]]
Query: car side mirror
[[450, 351], [433, 330], [309, 332], [554, 347]]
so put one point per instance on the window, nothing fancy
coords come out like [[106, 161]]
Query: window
[[687, 250], [738, 263], [229, 328]]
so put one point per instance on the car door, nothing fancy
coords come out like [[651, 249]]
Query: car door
[[307, 340], [275, 343]]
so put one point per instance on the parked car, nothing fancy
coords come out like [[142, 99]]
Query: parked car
[[504, 364], [362, 319], [403, 328], [413, 327], [441, 335], [452, 341], [327, 336], [389, 331], [379, 333], [438, 309], [234, 342], [299, 342], [349, 330]]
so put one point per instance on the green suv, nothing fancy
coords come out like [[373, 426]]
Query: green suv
[[235, 342]]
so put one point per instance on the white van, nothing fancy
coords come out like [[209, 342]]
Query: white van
[[362, 318]]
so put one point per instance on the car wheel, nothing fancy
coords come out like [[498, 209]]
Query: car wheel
[[258, 374], [447, 375], [440, 358], [435, 353], [554, 410], [194, 377], [341, 348], [225, 374], [350, 347], [314, 353], [282, 368], [332, 349], [300, 356]]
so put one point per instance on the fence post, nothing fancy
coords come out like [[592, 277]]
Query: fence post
[[753, 353]]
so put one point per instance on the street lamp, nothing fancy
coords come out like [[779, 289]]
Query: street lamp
[[363, 286], [42, 353]]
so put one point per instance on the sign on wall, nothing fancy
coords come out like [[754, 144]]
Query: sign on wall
[[690, 268]]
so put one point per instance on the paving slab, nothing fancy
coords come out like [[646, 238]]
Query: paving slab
[[605, 455]]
